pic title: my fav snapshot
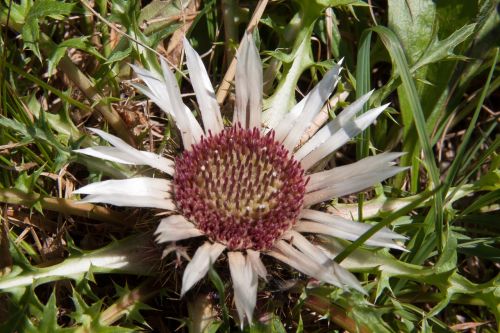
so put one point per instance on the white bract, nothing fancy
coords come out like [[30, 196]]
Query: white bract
[[229, 184]]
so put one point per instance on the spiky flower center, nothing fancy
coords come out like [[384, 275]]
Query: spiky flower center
[[241, 188]]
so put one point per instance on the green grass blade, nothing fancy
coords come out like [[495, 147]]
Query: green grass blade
[[362, 87], [48, 87], [384, 223], [461, 153], [394, 48]]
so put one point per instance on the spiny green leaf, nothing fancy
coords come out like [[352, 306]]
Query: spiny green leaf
[[39, 131], [489, 181], [159, 15], [119, 55], [31, 35], [26, 182], [120, 256], [50, 8], [284, 96], [132, 309], [48, 323], [40, 10], [448, 259], [443, 50], [81, 43]]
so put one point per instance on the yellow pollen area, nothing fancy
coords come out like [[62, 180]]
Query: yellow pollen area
[[235, 198]]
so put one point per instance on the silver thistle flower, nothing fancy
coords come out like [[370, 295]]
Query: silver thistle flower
[[247, 189]]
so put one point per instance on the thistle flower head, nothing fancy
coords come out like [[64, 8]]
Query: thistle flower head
[[240, 187], [248, 189]]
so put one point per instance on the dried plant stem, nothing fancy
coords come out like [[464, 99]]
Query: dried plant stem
[[128, 301], [202, 313], [229, 8], [231, 71], [175, 47], [85, 85], [329, 31], [323, 116], [115, 29], [64, 206]]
